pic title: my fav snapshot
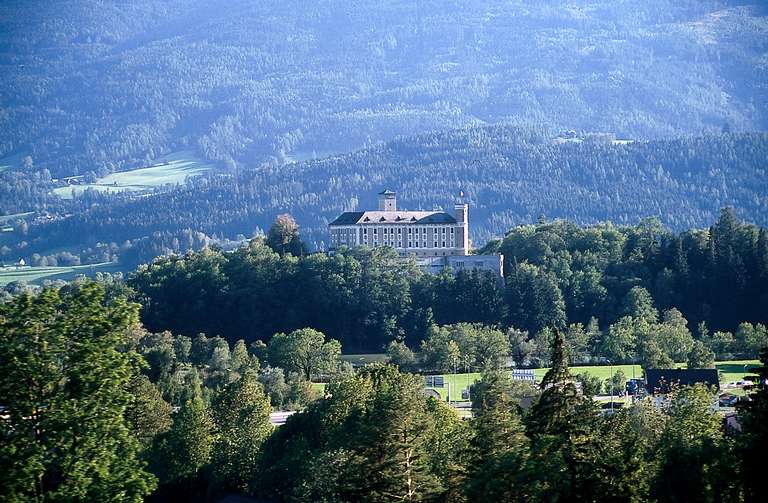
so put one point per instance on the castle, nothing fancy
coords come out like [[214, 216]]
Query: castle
[[417, 233], [436, 239]]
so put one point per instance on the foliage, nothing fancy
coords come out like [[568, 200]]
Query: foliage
[[753, 418], [283, 236], [65, 387], [557, 272], [304, 351], [241, 417]]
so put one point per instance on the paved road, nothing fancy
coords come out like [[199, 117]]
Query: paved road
[[279, 418]]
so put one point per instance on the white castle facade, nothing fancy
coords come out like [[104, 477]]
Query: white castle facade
[[435, 238]]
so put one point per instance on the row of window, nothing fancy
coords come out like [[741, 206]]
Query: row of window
[[418, 230]]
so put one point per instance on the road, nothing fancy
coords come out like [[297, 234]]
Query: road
[[279, 418]]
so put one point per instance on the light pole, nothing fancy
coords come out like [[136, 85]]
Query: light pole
[[611, 379]]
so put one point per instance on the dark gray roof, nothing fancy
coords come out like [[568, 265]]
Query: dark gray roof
[[394, 217], [387, 192], [659, 380], [348, 218]]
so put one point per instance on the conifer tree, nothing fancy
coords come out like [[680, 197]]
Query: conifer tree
[[65, 386], [562, 426], [553, 412], [391, 461], [498, 448]]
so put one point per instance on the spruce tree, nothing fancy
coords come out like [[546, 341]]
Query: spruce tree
[[562, 426], [498, 449], [553, 413], [391, 459], [65, 378]]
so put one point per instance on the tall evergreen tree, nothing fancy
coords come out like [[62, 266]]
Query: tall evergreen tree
[[498, 449], [65, 386], [391, 461]]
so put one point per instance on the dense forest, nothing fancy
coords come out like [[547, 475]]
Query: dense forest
[[88, 87], [95, 408], [617, 288], [509, 175]]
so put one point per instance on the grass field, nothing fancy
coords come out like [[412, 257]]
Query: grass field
[[171, 169], [729, 371], [36, 275]]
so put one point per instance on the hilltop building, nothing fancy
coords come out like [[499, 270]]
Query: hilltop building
[[436, 239], [417, 233]]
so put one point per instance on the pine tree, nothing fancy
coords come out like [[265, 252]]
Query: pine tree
[[65, 386], [498, 449], [559, 398]]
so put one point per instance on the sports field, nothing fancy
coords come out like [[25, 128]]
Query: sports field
[[36, 275], [730, 371], [171, 169]]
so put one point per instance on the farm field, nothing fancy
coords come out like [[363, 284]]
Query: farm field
[[36, 275], [171, 169]]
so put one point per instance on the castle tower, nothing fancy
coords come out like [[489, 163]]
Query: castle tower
[[461, 213], [387, 200]]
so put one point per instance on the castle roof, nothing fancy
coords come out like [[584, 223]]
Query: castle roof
[[393, 217]]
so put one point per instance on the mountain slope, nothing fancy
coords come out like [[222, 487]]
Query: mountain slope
[[510, 176], [93, 86]]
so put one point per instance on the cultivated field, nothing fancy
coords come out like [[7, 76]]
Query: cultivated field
[[171, 169], [36, 275]]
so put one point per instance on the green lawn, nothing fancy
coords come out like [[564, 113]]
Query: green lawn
[[734, 370], [36, 275], [730, 371], [171, 169]]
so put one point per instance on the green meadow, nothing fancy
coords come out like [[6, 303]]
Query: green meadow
[[730, 371], [36, 275], [171, 169]]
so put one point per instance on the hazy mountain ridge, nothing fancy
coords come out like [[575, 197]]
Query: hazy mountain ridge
[[510, 176], [89, 86]]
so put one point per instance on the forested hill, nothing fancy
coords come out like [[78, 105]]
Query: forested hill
[[510, 176], [97, 86]]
